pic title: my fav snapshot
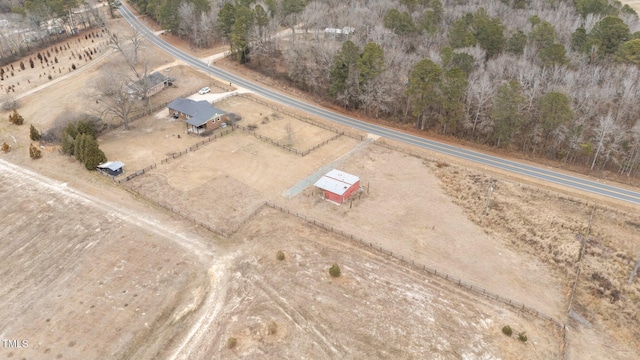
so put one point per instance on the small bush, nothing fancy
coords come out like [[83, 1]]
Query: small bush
[[334, 270], [232, 342], [5, 147], [522, 337], [272, 328], [507, 330], [34, 152], [280, 255], [34, 134], [16, 118]]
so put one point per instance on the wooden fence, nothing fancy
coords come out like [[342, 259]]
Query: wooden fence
[[411, 263], [307, 120], [174, 155]]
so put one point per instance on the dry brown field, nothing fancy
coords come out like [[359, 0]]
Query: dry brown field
[[96, 269]]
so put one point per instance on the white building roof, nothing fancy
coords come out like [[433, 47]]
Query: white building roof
[[342, 176], [336, 181], [111, 165]]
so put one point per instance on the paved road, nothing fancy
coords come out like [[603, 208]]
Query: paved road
[[511, 166]]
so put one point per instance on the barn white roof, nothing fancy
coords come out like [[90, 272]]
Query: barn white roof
[[336, 181]]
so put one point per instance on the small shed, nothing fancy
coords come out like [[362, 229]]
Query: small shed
[[113, 168], [338, 185]]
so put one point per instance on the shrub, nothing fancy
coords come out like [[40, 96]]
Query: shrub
[[232, 342], [507, 330], [334, 270], [522, 337], [272, 328], [34, 152], [16, 118], [34, 134], [280, 255], [5, 147]]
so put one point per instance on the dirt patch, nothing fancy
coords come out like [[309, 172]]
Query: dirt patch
[[402, 209], [84, 280], [223, 182], [374, 299], [552, 227], [281, 128]]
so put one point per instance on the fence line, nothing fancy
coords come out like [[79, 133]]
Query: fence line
[[235, 93], [191, 148], [477, 289], [317, 146], [225, 234], [302, 118], [268, 139]]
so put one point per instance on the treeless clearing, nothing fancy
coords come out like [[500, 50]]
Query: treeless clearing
[[226, 180], [277, 126], [376, 309], [86, 280]]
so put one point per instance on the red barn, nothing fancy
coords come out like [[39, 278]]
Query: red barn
[[338, 185]]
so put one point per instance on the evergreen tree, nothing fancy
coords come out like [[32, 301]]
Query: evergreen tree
[[240, 35], [554, 109], [16, 118], [506, 114], [489, 33], [401, 23], [555, 54], [516, 43], [543, 35], [424, 90], [609, 33], [34, 134], [86, 127], [459, 34], [226, 19], [453, 87], [92, 156], [370, 63], [344, 68], [34, 152], [79, 146], [629, 52], [580, 40]]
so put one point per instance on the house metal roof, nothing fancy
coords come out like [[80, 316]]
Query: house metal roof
[[111, 165], [199, 111], [336, 181]]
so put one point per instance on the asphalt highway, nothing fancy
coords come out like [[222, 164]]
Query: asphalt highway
[[535, 172]]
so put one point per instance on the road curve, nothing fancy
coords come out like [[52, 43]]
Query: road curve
[[539, 173]]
